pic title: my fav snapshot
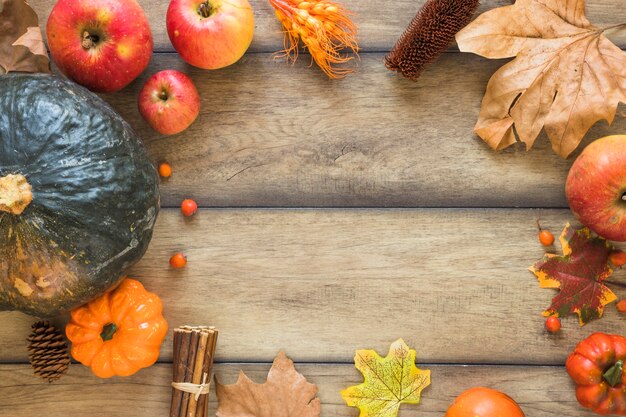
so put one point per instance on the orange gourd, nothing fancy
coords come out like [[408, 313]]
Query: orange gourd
[[120, 332], [484, 402]]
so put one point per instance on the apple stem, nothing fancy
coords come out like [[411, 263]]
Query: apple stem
[[624, 197], [89, 40], [163, 95], [205, 9]]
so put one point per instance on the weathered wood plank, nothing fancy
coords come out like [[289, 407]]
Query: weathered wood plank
[[540, 391], [379, 26], [276, 135], [322, 283]]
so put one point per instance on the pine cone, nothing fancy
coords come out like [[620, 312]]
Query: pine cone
[[47, 351], [429, 34]]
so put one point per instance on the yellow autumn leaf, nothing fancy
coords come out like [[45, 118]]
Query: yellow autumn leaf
[[389, 381]]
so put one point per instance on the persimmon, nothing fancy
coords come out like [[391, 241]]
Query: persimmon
[[484, 402]]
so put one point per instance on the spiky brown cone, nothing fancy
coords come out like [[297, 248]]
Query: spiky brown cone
[[47, 351], [429, 34]]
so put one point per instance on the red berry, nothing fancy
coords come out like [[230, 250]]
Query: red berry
[[553, 324], [621, 306], [617, 258], [165, 170], [178, 261], [188, 207]]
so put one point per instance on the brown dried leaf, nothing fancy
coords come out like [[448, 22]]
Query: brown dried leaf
[[33, 40], [21, 44], [286, 393], [566, 75]]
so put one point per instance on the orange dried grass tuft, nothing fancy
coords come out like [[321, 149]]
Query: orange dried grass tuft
[[324, 27]]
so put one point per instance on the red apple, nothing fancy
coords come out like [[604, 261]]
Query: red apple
[[101, 44], [169, 102], [210, 34], [596, 187]]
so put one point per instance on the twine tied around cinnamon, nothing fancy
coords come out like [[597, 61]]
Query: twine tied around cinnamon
[[196, 389]]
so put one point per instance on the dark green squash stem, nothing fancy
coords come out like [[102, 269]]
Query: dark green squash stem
[[615, 374], [108, 331]]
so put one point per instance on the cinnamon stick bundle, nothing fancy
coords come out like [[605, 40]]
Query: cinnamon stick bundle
[[194, 350]]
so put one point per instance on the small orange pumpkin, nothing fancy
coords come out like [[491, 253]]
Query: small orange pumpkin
[[120, 332]]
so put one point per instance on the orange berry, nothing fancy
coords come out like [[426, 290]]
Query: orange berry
[[188, 207], [165, 170], [621, 306], [546, 238], [178, 261], [553, 324], [618, 258]]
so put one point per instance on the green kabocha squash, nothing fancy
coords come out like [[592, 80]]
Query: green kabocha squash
[[78, 195]]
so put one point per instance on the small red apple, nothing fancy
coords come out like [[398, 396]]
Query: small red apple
[[169, 102], [210, 34], [596, 187], [101, 44]]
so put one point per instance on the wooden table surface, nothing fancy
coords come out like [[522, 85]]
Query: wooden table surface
[[340, 215]]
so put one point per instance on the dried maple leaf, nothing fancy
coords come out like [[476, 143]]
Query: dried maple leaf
[[389, 381], [286, 393], [21, 44], [566, 75], [579, 273]]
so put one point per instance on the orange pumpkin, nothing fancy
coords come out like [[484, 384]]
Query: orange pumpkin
[[484, 402], [120, 332]]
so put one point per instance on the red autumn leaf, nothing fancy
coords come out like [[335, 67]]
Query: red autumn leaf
[[579, 273]]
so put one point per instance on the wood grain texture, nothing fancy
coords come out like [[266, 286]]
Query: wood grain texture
[[321, 283], [540, 391], [274, 135], [379, 25]]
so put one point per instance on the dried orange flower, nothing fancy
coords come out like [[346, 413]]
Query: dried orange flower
[[324, 27]]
